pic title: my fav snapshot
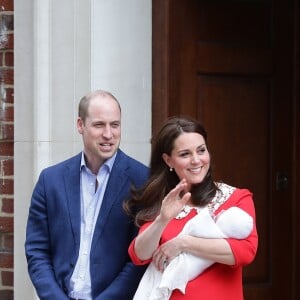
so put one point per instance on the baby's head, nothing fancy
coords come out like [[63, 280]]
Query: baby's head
[[235, 222]]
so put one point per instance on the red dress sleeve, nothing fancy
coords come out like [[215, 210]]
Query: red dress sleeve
[[132, 253], [244, 250]]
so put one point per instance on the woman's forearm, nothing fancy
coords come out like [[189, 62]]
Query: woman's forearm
[[217, 250], [147, 241]]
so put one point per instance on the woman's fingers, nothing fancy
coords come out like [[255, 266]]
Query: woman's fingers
[[174, 194], [186, 197], [160, 260]]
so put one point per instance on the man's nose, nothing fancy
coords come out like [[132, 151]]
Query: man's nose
[[107, 133]]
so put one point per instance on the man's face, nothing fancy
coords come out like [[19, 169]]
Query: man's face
[[101, 131]]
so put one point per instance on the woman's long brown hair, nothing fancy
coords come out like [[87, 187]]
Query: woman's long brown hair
[[145, 203]]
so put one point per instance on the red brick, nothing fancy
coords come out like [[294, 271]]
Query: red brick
[[6, 148], [7, 5], [6, 41], [7, 278], [9, 59], [7, 75], [7, 166], [8, 96], [7, 21], [6, 132], [6, 113], [6, 260], [10, 41], [6, 187], [7, 295], [7, 206], [6, 224], [8, 242]]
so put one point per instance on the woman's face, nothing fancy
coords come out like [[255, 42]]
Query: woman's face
[[190, 158]]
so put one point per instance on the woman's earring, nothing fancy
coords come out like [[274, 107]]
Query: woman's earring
[[171, 169]]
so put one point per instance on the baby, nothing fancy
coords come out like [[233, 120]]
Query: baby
[[231, 223]]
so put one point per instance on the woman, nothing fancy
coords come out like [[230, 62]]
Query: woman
[[180, 186]]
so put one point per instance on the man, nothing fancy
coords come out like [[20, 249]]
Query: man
[[77, 232]]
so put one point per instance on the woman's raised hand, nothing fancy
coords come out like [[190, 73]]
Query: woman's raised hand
[[173, 203]]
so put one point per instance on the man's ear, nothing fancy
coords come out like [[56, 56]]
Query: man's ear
[[80, 125]]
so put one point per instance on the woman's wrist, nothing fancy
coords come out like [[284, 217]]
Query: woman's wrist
[[161, 221], [184, 242]]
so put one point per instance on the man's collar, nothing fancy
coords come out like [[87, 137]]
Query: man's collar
[[108, 163]]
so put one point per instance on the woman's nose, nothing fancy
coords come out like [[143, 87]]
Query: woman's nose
[[195, 158]]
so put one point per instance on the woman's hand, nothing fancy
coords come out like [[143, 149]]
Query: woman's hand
[[147, 242], [166, 252], [172, 204]]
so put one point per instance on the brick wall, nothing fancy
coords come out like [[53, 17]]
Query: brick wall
[[6, 148]]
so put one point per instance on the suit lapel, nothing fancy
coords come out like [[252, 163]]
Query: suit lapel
[[72, 184], [113, 192]]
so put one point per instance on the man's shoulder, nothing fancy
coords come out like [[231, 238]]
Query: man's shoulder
[[124, 158], [134, 169], [71, 161]]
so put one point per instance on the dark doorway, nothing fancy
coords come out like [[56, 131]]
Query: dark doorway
[[231, 64]]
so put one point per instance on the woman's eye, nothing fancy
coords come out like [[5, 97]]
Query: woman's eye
[[202, 150], [184, 154]]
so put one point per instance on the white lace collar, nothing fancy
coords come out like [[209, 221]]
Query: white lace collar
[[222, 195]]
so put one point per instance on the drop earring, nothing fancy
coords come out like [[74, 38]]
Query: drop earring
[[171, 169]]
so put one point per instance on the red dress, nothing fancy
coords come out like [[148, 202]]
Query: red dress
[[218, 282]]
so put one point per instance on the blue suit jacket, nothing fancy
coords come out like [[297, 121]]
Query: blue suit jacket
[[53, 231]]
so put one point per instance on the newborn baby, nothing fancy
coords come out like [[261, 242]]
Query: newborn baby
[[231, 223]]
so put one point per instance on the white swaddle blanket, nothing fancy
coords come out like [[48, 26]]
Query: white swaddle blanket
[[156, 285]]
